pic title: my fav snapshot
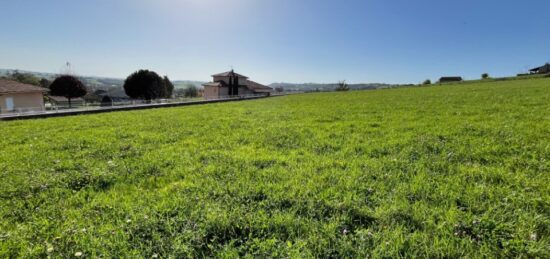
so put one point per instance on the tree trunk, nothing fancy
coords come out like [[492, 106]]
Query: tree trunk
[[69, 103]]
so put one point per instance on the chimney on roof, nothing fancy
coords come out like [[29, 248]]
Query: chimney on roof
[[233, 83]]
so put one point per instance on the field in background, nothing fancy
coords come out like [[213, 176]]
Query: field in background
[[443, 171]]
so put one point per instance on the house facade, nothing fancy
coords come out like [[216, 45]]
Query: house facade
[[19, 97], [230, 84]]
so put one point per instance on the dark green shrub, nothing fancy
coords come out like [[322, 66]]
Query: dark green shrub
[[25, 78], [106, 101], [45, 83], [191, 91]]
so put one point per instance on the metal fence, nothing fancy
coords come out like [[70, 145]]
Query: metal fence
[[50, 108]]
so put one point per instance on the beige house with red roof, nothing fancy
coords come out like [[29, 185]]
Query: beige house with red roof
[[232, 84], [19, 97]]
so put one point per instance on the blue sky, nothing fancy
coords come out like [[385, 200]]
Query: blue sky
[[399, 41]]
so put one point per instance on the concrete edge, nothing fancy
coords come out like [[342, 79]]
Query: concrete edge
[[128, 108]]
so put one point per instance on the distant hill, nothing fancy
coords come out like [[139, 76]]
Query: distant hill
[[5, 72], [329, 87], [114, 85], [111, 85], [91, 81]]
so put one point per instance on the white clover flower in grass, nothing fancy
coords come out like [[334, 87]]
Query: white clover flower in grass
[[78, 254]]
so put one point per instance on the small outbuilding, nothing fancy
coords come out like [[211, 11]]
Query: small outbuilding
[[541, 70], [19, 97], [61, 102], [449, 79]]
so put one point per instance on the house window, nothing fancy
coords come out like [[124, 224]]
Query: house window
[[9, 104]]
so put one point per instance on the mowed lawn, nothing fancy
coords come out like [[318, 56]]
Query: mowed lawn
[[443, 171]]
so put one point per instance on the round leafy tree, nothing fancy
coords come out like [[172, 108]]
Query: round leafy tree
[[67, 86], [145, 84]]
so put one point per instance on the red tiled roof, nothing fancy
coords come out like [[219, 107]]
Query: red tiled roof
[[10, 86], [228, 73], [258, 88]]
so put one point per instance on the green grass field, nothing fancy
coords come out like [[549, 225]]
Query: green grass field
[[443, 171]]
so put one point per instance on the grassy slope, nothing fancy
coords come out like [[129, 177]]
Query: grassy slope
[[437, 171]]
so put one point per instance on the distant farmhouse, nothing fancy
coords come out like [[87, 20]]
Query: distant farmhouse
[[19, 97], [541, 70], [233, 84], [448, 79]]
